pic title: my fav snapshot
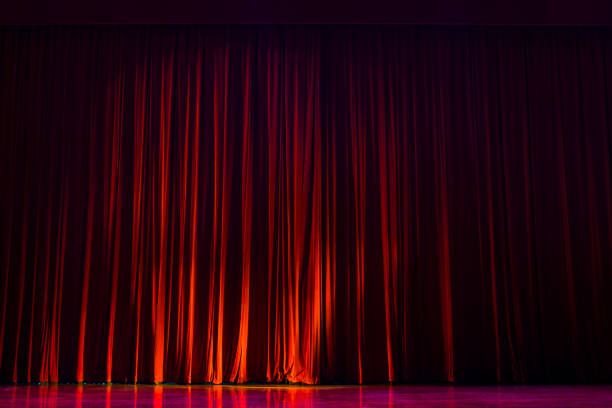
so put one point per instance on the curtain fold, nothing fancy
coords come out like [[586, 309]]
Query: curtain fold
[[312, 204]]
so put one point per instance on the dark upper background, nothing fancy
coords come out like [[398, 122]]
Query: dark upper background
[[448, 12]]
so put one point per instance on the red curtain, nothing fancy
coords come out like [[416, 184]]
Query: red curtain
[[305, 203]]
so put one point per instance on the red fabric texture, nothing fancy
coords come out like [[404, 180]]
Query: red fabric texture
[[307, 204]]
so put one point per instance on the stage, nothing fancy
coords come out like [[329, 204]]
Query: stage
[[304, 396], [315, 204]]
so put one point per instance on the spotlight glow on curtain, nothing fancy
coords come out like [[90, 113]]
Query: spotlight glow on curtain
[[306, 204]]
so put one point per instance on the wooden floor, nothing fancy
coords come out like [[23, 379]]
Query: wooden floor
[[303, 396]]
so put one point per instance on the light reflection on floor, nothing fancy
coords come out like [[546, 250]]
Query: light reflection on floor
[[302, 396]]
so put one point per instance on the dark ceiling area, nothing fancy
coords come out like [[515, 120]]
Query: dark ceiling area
[[446, 12]]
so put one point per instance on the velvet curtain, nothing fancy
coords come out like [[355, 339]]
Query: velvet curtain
[[307, 204]]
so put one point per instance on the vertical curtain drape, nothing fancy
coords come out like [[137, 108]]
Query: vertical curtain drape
[[306, 204]]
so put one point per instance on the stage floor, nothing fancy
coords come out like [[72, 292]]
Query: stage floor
[[304, 396]]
